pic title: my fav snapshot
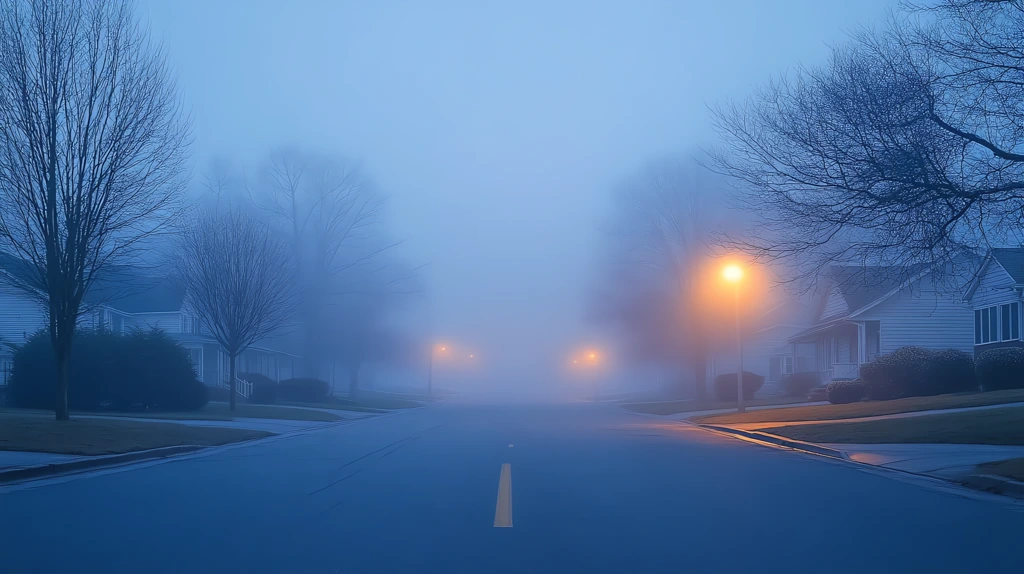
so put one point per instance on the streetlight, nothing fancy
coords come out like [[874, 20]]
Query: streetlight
[[734, 274]]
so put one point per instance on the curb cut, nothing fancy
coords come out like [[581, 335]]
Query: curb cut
[[61, 468], [778, 440], [994, 484]]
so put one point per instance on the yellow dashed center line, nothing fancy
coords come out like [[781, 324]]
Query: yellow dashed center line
[[503, 510]]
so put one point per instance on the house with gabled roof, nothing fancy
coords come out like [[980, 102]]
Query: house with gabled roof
[[128, 299], [996, 298], [866, 311]]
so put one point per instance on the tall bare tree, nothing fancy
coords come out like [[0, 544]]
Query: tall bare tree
[[92, 147], [906, 149], [659, 238], [332, 217], [238, 279]]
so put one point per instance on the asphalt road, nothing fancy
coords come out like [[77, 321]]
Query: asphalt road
[[593, 489]]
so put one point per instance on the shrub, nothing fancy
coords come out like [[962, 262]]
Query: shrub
[[264, 389], [904, 372], [799, 384], [949, 371], [303, 390], [844, 392], [142, 370], [725, 386], [1000, 369]]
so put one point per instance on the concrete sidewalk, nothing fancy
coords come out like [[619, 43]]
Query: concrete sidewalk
[[766, 425], [276, 426], [949, 461]]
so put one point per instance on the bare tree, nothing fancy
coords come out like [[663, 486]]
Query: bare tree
[[92, 146], [332, 217], [905, 150], [238, 280], [659, 239]]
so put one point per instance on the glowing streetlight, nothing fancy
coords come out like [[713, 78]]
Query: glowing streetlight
[[734, 274]]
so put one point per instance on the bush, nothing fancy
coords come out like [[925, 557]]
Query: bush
[[303, 390], [904, 372], [725, 386], [264, 389], [845, 392], [949, 371], [799, 384], [142, 370], [999, 369]]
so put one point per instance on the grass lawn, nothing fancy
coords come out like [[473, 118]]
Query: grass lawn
[[688, 406], [993, 426], [32, 432], [1012, 469], [212, 411], [869, 408]]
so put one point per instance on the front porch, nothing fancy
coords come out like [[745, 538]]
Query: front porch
[[841, 347]]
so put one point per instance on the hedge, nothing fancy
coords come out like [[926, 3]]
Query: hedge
[[141, 370], [303, 390], [799, 384], [844, 392], [999, 369], [917, 372], [950, 371], [725, 386], [264, 389]]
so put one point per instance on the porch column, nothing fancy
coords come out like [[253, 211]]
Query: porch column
[[862, 343]]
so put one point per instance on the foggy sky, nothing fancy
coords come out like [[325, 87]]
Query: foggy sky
[[497, 129]]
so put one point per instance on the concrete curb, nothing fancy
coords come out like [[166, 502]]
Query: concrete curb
[[92, 463], [781, 441], [994, 484]]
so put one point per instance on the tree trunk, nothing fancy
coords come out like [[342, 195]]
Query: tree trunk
[[353, 379], [231, 383], [63, 376]]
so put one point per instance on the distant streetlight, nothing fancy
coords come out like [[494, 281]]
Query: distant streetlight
[[734, 274]]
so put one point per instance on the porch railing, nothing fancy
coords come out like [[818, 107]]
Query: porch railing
[[841, 372], [242, 386]]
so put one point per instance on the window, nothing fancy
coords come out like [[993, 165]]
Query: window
[[997, 323], [787, 365]]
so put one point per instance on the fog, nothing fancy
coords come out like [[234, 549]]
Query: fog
[[497, 132]]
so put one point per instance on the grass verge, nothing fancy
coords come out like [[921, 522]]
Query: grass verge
[[869, 408], [689, 406], [994, 426], [35, 433], [211, 412], [1012, 469]]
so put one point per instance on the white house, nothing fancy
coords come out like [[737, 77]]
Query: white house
[[995, 297], [767, 350], [869, 311], [143, 301]]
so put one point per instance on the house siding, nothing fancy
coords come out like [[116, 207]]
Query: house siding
[[167, 322], [835, 304], [994, 287], [923, 316], [20, 317]]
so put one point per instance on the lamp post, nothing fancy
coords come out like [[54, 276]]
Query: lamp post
[[734, 274], [430, 372]]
